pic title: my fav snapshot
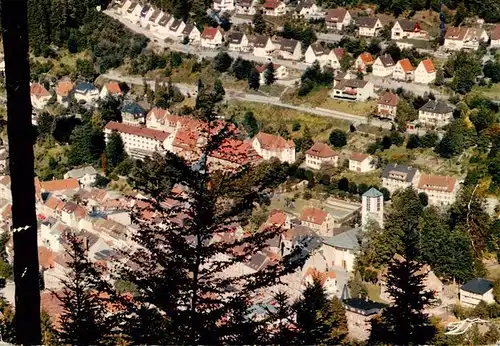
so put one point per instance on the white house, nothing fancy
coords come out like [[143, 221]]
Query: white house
[[340, 250], [146, 12], [245, 7], [110, 89], [475, 291], [404, 71], [316, 51], [163, 25], [387, 105], [363, 61], [441, 190], [211, 37], [192, 33], [361, 163], [495, 37], [133, 114], [327, 279], [308, 9], [405, 28], [372, 208], [457, 38], [318, 220], [269, 146], [157, 119], [238, 42], [425, 72], [262, 46], [274, 8], [353, 90], [337, 19], [280, 72], [176, 29], [223, 5], [333, 58], [87, 93], [369, 26], [139, 141], [435, 114], [39, 96], [86, 175], [396, 176], [290, 49], [133, 12], [64, 89], [153, 19], [321, 154], [383, 66]]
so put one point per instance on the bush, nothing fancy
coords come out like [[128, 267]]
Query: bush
[[337, 138], [307, 195], [296, 126]]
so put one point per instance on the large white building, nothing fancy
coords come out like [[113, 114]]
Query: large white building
[[321, 154], [269, 146], [425, 72], [139, 141], [441, 190], [397, 176], [457, 38], [435, 114], [353, 90], [405, 28], [337, 19], [224, 5], [475, 291]]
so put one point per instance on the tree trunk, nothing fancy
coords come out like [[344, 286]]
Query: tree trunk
[[21, 161]]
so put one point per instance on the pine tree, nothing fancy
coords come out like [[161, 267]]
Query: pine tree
[[319, 319], [178, 270], [250, 124], [404, 322], [269, 77], [254, 80], [83, 320], [49, 334], [115, 150], [283, 331], [258, 22]]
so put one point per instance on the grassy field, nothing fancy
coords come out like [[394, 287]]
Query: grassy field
[[374, 292], [300, 204], [492, 92], [370, 178], [272, 117]]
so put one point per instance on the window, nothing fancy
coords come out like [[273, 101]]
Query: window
[[368, 205], [378, 204]]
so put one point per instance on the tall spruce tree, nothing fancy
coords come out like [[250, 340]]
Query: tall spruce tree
[[284, 331], [269, 74], [404, 322], [83, 320], [179, 270], [115, 150], [254, 80]]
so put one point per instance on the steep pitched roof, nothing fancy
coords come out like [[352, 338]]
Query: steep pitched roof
[[236, 151], [138, 131], [315, 273], [437, 107], [367, 22], [85, 87], [386, 60], [288, 45], [373, 193], [406, 65], [272, 142], [321, 150], [336, 15], [209, 33], [304, 4], [407, 25], [345, 240], [262, 68], [365, 307], [165, 19], [399, 172], [428, 65], [437, 183], [82, 171], [59, 185], [367, 58], [176, 24], [314, 215], [133, 108], [271, 4], [158, 113], [186, 139], [155, 15], [319, 49], [236, 37], [260, 41], [38, 90], [187, 29], [389, 99], [277, 217]]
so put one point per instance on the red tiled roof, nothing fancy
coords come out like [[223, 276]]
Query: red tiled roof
[[406, 65], [336, 15], [64, 87], [113, 87], [321, 150], [437, 183], [54, 203], [38, 90], [186, 139], [272, 142], [495, 33], [209, 33], [271, 4], [389, 99], [314, 215], [277, 217], [236, 151], [428, 65], [366, 58], [456, 33], [315, 273], [52, 306], [45, 257], [359, 157], [339, 52], [59, 185], [137, 131], [262, 68], [159, 113]]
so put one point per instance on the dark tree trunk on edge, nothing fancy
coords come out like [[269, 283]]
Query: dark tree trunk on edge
[[21, 161]]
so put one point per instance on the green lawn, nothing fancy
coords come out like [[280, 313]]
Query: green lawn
[[492, 92]]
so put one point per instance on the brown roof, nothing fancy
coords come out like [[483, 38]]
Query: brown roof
[[339, 52], [277, 217], [260, 41], [288, 45], [209, 33], [52, 306], [38, 90], [262, 68], [389, 99], [271, 4], [322, 276], [236, 151], [366, 58], [359, 157], [336, 15], [428, 65], [406, 65], [159, 113], [113, 87], [456, 33], [137, 131], [314, 215], [64, 87], [186, 139], [407, 25], [54, 203], [45, 257], [319, 48], [495, 33], [437, 183], [367, 22], [272, 142], [386, 60], [350, 83], [321, 150], [59, 185]]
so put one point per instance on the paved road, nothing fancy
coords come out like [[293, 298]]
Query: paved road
[[275, 101], [388, 83]]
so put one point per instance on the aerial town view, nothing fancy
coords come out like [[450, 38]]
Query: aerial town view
[[250, 172]]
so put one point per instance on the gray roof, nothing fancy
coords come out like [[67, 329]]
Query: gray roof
[[236, 37], [258, 261], [346, 240], [406, 24], [373, 192], [288, 45], [367, 22], [133, 108], [399, 172], [386, 60], [260, 41], [350, 83], [155, 15], [175, 24], [80, 172], [363, 306], [145, 10], [164, 20], [85, 87], [304, 4], [187, 29], [478, 286], [438, 107]]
